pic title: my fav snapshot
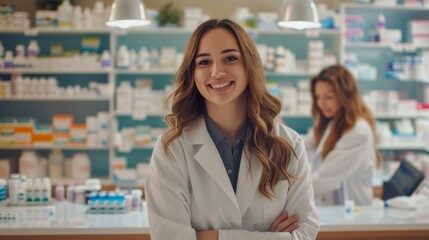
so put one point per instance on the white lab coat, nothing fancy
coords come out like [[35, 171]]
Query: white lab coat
[[190, 190], [346, 172]]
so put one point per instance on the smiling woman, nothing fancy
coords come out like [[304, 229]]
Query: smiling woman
[[220, 75], [224, 168]]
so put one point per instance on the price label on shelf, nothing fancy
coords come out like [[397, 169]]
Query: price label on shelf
[[312, 33], [139, 115], [31, 32], [125, 148]]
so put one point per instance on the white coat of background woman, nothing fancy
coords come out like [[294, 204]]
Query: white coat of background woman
[[341, 146]]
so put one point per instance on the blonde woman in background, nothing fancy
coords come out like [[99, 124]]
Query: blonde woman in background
[[342, 143], [224, 168]]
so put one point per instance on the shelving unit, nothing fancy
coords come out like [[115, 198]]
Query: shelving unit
[[42, 108], [404, 146], [56, 99], [49, 147], [373, 53], [53, 71]]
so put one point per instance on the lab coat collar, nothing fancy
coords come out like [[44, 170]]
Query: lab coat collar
[[206, 154]]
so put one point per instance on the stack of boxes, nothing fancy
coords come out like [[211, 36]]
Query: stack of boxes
[[315, 56], [419, 32], [24, 131], [304, 97]]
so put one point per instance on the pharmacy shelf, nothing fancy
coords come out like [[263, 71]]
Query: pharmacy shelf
[[377, 116], [368, 45], [155, 30], [402, 115], [284, 31], [393, 46], [35, 31], [49, 147], [381, 7], [142, 147], [56, 99], [131, 115], [52, 71], [75, 181], [68, 31], [147, 72], [404, 146], [298, 74]]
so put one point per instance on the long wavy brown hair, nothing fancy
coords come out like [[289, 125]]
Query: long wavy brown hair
[[188, 105], [352, 108]]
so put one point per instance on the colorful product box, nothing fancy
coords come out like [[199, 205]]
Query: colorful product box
[[42, 135], [61, 138], [46, 19], [78, 134], [24, 131], [62, 122]]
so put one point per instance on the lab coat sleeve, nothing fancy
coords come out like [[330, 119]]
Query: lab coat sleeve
[[309, 146], [300, 201], [168, 196], [348, 156], [309, 140]]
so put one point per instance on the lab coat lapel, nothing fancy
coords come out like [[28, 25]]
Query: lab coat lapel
[[248, 180], [206, 154]]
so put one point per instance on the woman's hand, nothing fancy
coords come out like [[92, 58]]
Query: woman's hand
[[284, 223], [208, 235]]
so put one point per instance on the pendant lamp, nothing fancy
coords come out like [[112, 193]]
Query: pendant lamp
[[127, 13], [299, 15]]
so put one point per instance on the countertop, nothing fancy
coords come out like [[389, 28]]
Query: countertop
[[66, 218]]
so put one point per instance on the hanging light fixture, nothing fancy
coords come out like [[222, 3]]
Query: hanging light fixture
[[127, 13], [299, 14]]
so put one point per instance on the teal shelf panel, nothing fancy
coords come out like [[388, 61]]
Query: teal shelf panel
[[158, 81], [300, 125], [297, 43], [69, 42], [153, 121], [136, 156], [153, 40], [43, 111], [99, 160]]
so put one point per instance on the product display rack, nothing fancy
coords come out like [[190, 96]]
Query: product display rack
[[56, 99], [49, 147], [297, 41], [42, 108]]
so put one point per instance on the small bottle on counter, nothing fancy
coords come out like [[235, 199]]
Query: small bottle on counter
[[46, 191], [136, 195], [3, 192], [30, 192], [70, 192], [59, 192], [37, 190], [79, 194]]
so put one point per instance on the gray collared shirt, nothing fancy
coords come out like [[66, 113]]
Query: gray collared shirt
[[231, 155]]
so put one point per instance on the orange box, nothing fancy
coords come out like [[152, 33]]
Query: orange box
[[23, 134], [61, 138], [43, 138], [78, 134], [42, 135], [61, 123], [7, 135]]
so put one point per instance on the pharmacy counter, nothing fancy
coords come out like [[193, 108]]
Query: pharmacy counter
[[69, 221]]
